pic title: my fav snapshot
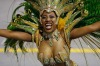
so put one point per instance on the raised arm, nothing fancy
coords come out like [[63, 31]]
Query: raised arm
[[78, 32], [15, 35]]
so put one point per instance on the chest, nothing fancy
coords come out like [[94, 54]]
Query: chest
[[55, 39], [52, 42]]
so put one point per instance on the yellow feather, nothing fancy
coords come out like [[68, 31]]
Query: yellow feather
[[62, 21]]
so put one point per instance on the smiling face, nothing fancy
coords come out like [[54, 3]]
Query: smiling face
[[48, 21]]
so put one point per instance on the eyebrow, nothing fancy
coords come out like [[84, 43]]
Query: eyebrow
[[43, 15], [46, 15]]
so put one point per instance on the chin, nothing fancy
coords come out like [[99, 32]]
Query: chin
[[49, 31]]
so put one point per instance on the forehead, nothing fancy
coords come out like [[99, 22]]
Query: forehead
[[48, 13]]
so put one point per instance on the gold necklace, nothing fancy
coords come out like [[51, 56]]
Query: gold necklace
[[51, 36]]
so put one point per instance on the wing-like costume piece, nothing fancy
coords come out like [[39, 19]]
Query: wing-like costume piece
[[25, 22], [92, 40], [77, 18]]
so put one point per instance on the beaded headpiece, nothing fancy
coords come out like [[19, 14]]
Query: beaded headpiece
[[59, 6]]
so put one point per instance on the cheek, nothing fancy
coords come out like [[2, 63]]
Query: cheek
[[54, 20], [42, 21]]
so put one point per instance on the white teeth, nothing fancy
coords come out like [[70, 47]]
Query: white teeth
[[48, 24], [48, 27]]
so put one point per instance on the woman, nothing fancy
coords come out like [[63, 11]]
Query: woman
[[53, 43]]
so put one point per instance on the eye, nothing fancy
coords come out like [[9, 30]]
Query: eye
[[51, 16], [43, 17]]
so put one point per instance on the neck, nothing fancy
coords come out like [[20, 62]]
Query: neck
[[49, 35]]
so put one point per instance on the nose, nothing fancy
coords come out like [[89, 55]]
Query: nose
[[48, 19]]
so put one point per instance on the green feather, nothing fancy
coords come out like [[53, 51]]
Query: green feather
[[93, 7]]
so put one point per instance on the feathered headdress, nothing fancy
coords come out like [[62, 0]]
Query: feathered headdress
[[59, 6]]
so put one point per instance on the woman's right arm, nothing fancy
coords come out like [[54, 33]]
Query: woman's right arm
[[15, 35]]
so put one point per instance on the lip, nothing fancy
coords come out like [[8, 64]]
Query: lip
[[48, 26]]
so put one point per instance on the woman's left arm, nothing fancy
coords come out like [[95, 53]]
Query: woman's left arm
[[78, 32]]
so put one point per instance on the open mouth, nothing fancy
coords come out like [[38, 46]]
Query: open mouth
[[48, 26]]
